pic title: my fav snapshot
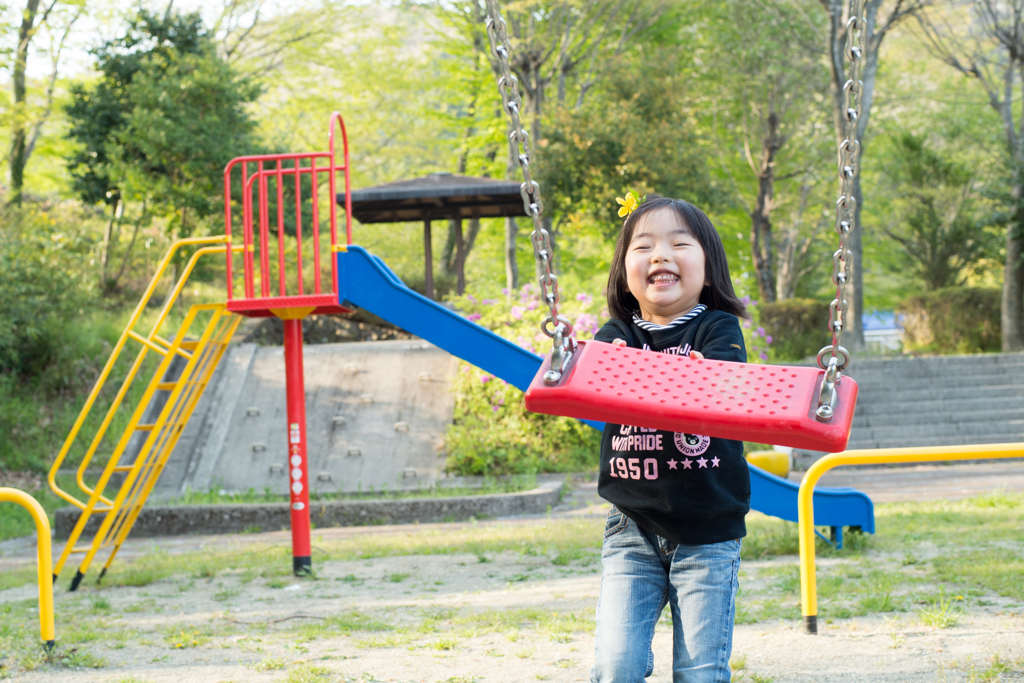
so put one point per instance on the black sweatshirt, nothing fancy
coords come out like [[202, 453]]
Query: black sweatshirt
[[686, 488]]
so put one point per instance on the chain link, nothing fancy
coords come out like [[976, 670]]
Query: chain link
[[837, 357], [555, 326]]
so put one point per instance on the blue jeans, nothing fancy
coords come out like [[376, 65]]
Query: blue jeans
[[641, 572]]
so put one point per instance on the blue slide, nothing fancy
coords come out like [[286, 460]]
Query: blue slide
[[365, 281]]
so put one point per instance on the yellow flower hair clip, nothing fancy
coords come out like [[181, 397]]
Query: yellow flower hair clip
[[629, 203]]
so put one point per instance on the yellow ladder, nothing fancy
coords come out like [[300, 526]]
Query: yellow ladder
[[185, 367]]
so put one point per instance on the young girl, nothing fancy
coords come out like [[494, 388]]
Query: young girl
[[678, 500]]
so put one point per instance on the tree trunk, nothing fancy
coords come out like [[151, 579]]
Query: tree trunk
[[853, 329], [474, 230], [511, 265], [792, 250], [449, 262], [16, 159], [761, 246], [511, 229], [105, 246], [1012, 313], [126, 260], [785, 277], [428, 262]]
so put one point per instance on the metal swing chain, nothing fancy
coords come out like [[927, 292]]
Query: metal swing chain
[[846, 212], [555, 326]]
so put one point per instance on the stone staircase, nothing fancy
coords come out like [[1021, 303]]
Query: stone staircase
[[941, 401]]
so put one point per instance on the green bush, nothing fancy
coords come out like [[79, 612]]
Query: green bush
[[952, 320], [798, 327], [41, 289], [492, 432], [51, 346]]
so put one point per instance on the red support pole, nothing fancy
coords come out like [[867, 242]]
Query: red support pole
[[298, 471]]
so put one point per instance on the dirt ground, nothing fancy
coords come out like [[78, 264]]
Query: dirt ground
[[457, 618]]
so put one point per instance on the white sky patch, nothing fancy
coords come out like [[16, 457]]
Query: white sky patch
[[101, 21]]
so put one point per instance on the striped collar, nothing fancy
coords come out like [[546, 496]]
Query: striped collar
[[681, 320]]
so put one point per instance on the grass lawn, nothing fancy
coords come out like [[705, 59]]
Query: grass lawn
[[930, 563]]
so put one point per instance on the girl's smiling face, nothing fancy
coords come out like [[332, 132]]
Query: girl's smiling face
[[664, 267]]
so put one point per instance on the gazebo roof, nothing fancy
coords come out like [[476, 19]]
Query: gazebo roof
[[434, 197]]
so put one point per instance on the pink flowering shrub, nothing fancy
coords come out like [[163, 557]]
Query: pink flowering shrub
[[492, 432]]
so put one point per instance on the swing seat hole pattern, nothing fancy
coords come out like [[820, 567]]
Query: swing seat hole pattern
[[771, 404]]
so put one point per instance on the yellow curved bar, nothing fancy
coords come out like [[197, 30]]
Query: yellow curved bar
[[880, 456], [45, 559], [83, 414]]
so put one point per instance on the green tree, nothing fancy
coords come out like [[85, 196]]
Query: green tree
[[765, 87], [992, 55], [882, 16], [55, 19], [934, 212], [157, 129]]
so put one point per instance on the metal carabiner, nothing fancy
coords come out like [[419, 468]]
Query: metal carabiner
[[827, 396]]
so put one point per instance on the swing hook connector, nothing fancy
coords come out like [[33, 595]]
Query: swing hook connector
[[828, 395], [561, 352]]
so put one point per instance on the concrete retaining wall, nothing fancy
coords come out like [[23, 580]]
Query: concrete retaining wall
[[179, 520], [376, 413]]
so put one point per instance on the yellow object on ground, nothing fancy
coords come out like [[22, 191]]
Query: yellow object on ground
[[879, 456], [775, 462], [45, 559]]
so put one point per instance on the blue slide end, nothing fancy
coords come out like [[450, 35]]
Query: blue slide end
[[365, 281], [835, 507]]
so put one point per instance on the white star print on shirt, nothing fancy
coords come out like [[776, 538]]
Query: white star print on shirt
[[686, 464], [702, 462], [672, 464], [715, 461]]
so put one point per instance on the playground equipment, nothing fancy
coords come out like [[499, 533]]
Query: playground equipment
[[776, 462], [45, 558], [274, 282], [805, 409], [290, 308], [187, 364], [181, 373], [808, 512]]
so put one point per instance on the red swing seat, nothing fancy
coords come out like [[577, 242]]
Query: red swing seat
[[770, 404]]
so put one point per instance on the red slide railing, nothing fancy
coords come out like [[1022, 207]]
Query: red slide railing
[[266, 178]]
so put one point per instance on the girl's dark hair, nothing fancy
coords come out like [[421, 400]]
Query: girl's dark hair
[[717, 296]]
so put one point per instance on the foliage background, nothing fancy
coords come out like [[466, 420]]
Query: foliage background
[[675, 109]]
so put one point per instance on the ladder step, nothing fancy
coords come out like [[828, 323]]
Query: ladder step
[[144, 428], [166, 386], [123, 468], [188, 345], [80, 549]]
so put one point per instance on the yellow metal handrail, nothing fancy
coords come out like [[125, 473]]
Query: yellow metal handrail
[[142, 474], [45, 559], [880, 456], [118, 347]]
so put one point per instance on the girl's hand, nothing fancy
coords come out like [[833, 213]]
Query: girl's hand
[[696, 355], [620, 342]]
